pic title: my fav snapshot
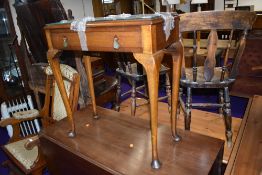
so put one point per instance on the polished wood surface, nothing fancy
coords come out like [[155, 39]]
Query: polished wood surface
[[231, 161], [119, 144], [205, 123], [145, 38], [249, 156]]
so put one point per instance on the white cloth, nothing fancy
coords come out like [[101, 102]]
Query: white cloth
[[169, 23], [80, 27]]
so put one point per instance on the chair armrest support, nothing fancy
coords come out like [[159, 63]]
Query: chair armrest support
[[9, 121], [14, 121]]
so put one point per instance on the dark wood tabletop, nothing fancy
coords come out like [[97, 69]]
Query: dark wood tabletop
[[249, 156], [119, 144]]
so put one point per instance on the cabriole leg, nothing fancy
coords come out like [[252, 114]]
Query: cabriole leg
[[151, 63]]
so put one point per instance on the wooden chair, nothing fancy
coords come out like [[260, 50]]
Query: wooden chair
[[24, 153], [20, 108], [134, 73], [210, 74]]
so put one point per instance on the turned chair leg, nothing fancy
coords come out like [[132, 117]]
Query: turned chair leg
[[221, 100], [133, 98], [179, 102], [227, 117], [168, 92], [188, 109], [118, 94]]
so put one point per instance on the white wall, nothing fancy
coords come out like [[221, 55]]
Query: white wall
[[80, 8], [219, 4], [257, 4], [184, 7]]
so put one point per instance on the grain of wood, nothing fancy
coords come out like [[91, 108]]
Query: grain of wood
[[203, 122]]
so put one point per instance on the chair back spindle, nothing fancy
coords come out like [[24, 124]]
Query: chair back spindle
[[195, 57], [224, 68], [210, 61], [212, 22]]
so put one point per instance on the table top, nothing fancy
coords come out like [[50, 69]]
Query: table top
[[121, 19], [249, 156], [101, 22], [121, 145], [114, 18]]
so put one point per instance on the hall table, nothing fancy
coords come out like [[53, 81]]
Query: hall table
[[143, 35], [120, 144]]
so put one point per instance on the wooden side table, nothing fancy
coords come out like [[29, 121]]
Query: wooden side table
[[143, 36]]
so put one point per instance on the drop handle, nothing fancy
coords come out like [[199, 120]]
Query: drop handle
[[65, 42], [116, 42]]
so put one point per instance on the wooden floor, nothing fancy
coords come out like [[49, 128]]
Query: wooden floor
[[203, 122]]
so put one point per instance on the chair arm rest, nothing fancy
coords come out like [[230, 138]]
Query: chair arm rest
[[14, 121], [32, 142], [9, 121]]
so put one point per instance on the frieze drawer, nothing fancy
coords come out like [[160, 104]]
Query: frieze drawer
[[104, 40]]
